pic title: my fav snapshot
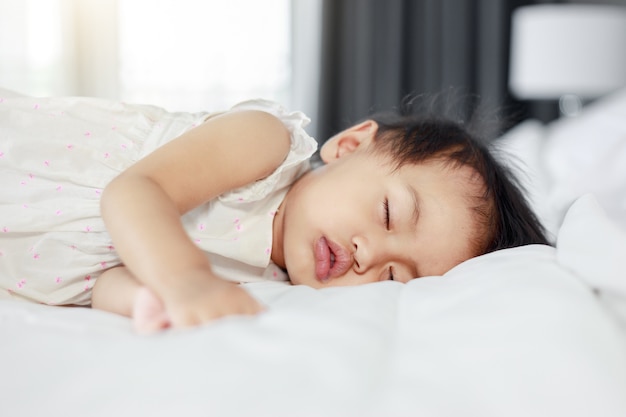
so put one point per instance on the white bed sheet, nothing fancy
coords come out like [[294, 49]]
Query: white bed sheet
[[517, 333], [531, 331]]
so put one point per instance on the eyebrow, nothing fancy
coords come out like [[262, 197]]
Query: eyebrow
[[416, 204], [414, 218]]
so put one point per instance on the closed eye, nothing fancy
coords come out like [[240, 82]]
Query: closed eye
[[387, 215]]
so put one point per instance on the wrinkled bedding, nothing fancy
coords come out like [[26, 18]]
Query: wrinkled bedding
[[534, 330]]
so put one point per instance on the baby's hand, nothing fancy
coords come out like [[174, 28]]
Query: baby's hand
[[198, 297]]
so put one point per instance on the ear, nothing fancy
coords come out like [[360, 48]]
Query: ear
[[348, 141]]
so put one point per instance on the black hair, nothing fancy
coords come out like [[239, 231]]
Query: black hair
[[412, 137]]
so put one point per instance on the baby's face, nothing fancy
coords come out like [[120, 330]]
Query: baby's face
[[356, 221]]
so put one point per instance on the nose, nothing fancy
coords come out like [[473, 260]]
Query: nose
[[368, 253]]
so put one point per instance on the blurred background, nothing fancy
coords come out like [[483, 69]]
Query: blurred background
[[337, 60]]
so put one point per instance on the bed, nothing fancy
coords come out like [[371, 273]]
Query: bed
[[527, 331]]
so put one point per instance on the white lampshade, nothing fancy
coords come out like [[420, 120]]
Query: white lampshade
[[567, 49]]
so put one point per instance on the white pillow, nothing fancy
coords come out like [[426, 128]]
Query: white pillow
[[587, 154], [573, 156], [593, 246]]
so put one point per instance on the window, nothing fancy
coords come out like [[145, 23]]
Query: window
[[180, 54], [31, 47], [192, 55]]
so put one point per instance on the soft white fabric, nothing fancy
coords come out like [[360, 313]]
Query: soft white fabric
[[573, 156], [513, 333], [520, 332], [56, 156], [593, 246]]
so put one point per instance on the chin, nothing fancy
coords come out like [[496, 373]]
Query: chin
[[296, 279], [303, 279]]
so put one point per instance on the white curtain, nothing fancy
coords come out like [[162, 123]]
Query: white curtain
[[180, 54], [59, 47]]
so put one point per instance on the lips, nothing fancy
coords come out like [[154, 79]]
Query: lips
[[331, 259]]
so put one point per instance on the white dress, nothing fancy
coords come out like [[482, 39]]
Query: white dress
[[58, 154]]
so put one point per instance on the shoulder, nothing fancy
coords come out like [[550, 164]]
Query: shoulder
[[249, 118], [249, 140], [255, 128]]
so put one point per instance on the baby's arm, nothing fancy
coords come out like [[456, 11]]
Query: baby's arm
[[142, 209]]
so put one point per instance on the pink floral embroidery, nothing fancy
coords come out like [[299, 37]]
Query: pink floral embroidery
[[58, 280], [21, 284]]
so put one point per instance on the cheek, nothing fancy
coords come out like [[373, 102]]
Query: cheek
[[297, 250]]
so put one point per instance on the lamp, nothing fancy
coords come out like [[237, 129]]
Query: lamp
[[570, 52]]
